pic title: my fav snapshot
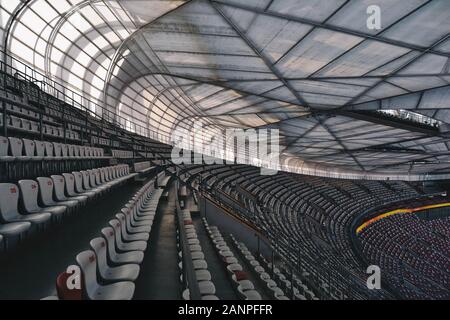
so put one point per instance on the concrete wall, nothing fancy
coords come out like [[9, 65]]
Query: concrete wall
[[230, 225]]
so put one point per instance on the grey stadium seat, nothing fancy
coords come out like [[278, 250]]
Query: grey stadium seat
[[4, 147], [125, 246], [69, 180]]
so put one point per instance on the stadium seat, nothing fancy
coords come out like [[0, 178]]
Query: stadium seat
[[64, 293], [127, 237], [116, 258], [30, 150], [123, 290], [69, 180], [59, 184], [79, 186], [17, 149], [122, 246], [126, 272], [4, 147], [29, 191], [46, 189], [9, 195]]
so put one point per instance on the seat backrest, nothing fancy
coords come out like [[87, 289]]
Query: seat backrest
[[30, 147], [69, 179], [121, 217], [78, 177], [49, 149], [29, 194], [40, 148], [116, 225], [58, 182], [108, 235], [88, 151], [4, 145], [58, 149], [16, 145], [82, 151], [102, 175], [34, 126], [16, 122], [46, 188], [88, 265], [64, 150], [99, 247], [9, 198], [113, 172], [26, 124]]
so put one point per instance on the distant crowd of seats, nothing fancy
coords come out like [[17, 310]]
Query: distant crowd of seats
[[21, 158], [412, 253]]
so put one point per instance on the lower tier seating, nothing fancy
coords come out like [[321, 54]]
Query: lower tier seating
[[112, 264]]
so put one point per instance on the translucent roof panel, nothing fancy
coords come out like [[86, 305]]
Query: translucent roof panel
[[310, 68]]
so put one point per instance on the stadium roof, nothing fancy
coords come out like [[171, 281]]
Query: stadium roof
[[310, 68]]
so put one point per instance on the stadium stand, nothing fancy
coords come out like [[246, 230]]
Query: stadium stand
[[86, 154]]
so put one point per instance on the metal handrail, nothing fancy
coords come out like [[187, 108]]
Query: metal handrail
[[188, 266]]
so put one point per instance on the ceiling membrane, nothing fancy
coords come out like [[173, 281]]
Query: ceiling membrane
[[303, 67]]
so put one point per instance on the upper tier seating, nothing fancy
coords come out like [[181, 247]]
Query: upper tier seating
[[412, 254]]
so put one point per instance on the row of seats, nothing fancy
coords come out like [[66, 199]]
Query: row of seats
[[143, 167], [49, 199], [306, 209], [412, 253], [122, 154], [16, 149], [112, 264], [205, 285], [244, 287], [33, 127]]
